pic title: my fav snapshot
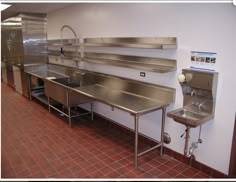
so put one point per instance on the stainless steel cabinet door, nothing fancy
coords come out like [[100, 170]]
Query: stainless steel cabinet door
[[4, 72], [17, 79]]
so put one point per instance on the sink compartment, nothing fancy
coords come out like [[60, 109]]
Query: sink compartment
[[189, 114], [69, 82], [61, 90], [189, 117]]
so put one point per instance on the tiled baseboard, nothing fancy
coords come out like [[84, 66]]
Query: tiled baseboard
[[180, 157]]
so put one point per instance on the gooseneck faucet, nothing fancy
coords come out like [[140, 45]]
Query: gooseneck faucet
[[76, 41]]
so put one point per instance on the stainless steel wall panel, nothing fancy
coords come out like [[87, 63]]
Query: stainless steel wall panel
[[34, 38], [23, 42]]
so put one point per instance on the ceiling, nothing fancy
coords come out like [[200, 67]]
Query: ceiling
[[31, 8]]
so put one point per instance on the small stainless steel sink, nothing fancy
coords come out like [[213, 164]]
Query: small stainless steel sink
[[190, 114], [189, 117]]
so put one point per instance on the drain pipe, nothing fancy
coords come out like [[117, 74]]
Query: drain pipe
[[189, 152], [194, 146], [187, 136]]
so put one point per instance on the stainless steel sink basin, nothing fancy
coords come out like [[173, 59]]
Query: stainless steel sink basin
[[189, 114], [189, 117], [70, 82], [61, 90]]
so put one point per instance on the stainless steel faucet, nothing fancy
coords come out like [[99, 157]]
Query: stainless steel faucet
[[199, 102], [76, 41], [195, 97], [193, 93], [200, 105]]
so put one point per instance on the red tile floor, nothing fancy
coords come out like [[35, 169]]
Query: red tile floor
[[37, 144]]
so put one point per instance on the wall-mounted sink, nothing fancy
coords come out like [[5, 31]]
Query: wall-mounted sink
[[199, 91], [189, 117]]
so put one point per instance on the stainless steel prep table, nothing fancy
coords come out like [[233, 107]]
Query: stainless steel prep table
[[135, 97], [132, 103]]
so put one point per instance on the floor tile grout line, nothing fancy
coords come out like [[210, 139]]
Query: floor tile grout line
[[68, 137]]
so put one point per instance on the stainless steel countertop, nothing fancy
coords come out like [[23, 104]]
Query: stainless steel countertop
[[45, 74], [135, 104], [135, 97], [127, 101]]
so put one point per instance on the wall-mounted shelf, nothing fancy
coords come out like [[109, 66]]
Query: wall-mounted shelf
[[133, 42], [160, 65], [135, 62], [65, 42]]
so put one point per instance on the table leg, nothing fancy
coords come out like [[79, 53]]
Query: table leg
[[162, 129], [29, 86], [68, 107], [136, 118], [49, 108], [91, 106]]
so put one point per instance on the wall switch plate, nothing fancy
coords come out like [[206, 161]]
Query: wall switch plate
[[142, 74]]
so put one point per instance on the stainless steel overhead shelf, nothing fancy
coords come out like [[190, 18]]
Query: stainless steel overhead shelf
[[65, 42], [135, 62], [133, 42]]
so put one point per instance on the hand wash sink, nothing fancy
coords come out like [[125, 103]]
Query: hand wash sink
[[189, 117], [199, 91]]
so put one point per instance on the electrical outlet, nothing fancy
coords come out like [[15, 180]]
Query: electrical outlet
[[142, 74]]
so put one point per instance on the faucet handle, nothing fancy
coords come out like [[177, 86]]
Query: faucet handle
[[200, 105], [193, 92]]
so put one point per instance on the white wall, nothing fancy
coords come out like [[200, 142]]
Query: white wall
[[199, 27]]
